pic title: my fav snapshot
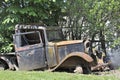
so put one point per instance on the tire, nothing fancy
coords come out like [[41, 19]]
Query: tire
[[86, 70], [3, 66]]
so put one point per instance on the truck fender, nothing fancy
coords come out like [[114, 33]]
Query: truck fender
[[79, 55], [7, 62]]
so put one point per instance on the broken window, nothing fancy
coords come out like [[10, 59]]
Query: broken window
[[54, 35], [28, 38]]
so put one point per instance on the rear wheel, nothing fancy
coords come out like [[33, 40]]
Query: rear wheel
[[3, 66]]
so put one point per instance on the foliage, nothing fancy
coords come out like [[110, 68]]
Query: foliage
[[98, 19], [95, 13], [6, 44]]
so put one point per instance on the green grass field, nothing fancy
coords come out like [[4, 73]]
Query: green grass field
[[38, 75]]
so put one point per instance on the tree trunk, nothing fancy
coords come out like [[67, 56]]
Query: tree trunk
[[102, 39]]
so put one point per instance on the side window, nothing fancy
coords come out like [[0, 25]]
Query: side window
[[54, 35], [28, 38]]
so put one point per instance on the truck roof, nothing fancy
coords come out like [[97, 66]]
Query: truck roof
[[23, 26], [35, 26]]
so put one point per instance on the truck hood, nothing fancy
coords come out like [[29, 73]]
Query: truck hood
[[61, 43]]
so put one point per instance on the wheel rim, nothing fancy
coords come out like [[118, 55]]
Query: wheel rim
[[78, 69]]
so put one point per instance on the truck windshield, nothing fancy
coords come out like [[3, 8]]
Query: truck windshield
[[54, 35]]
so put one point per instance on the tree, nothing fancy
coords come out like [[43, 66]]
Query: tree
[[93, 18]]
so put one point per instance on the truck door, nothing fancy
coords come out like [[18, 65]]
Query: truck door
[[29, 50]]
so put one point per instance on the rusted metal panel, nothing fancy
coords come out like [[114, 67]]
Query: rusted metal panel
[[74, 59], [28, 47], [63, 51], [62, 43], [51, 56], [31, 55], [32, 58]]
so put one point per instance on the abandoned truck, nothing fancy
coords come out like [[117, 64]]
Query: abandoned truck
[[39, 47]]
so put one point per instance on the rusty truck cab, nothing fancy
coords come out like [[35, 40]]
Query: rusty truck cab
[[34, 46], [30, 42]]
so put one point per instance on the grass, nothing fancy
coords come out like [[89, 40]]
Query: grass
[[38, 75]]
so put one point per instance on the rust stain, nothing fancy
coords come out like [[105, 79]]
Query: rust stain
[[68, 42], [51, 51], [74, 54], [82, 55], [26, 47], [57, 57]]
